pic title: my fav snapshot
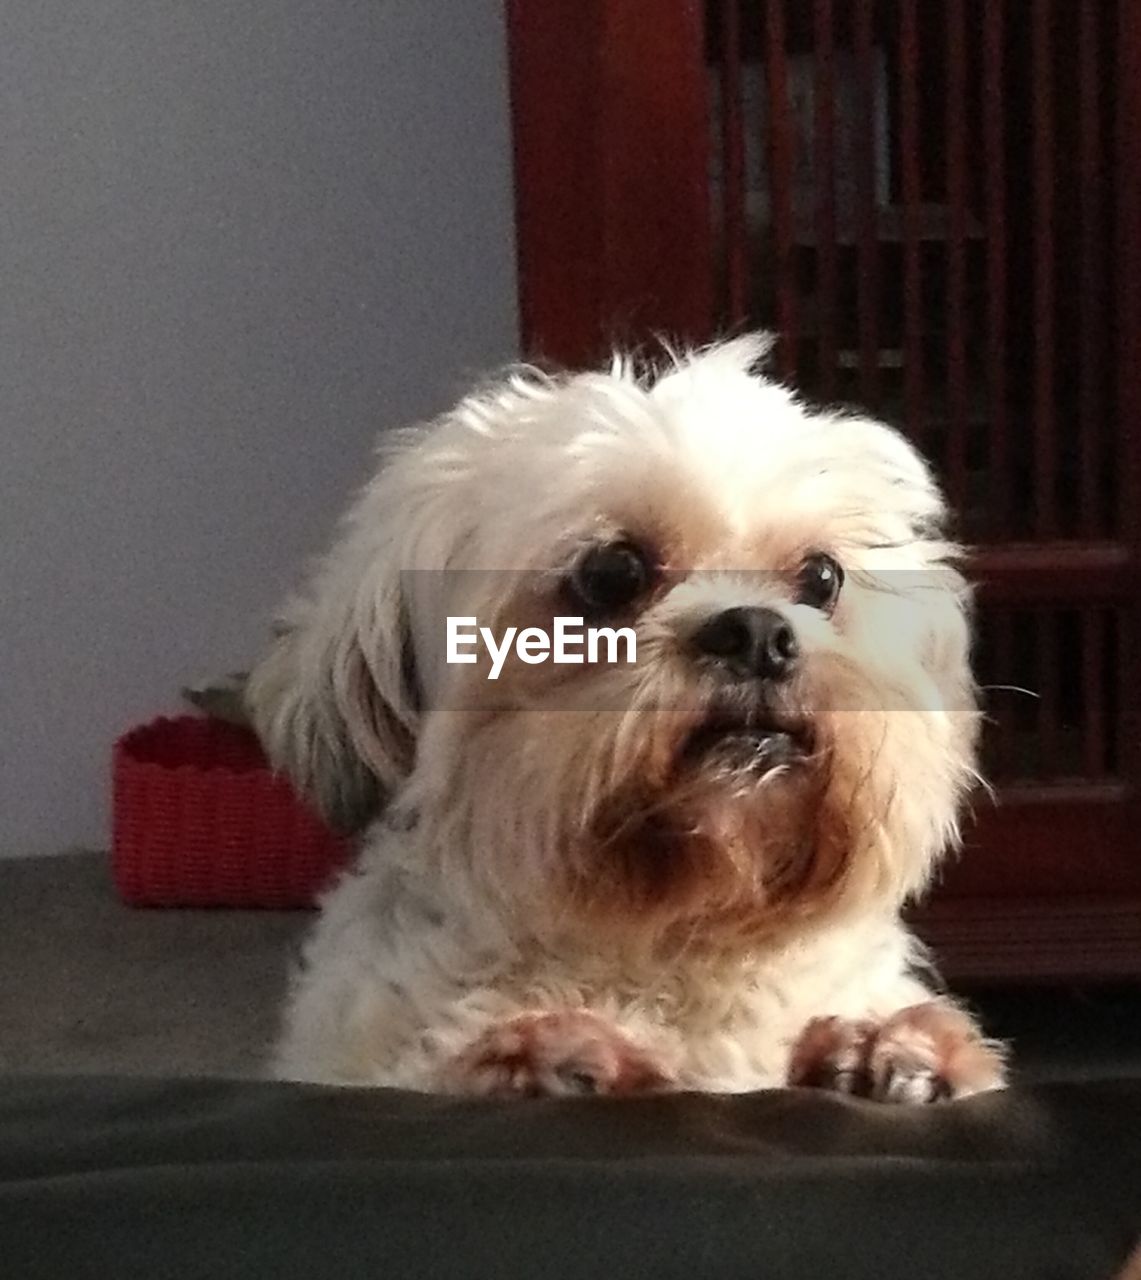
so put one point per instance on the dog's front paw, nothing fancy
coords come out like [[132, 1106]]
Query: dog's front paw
[[554, 1054], [925, 1053]]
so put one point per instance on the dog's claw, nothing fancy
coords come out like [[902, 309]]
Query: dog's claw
[[853, 1082], [578, 1081], [908, 1084]]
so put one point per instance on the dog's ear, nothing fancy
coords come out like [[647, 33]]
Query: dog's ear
[[337, 700], [359, 657], [332, 716]]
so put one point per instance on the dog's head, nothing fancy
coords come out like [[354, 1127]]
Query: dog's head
[[797, 730]]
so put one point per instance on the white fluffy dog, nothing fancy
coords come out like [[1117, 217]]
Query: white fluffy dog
[[683, 872]]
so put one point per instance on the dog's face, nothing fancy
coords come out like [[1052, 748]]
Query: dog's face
[[797, 730]]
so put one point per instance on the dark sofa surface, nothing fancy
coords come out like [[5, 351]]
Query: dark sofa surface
[[124, 1178]]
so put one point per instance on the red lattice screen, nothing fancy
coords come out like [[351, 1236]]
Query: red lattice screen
[[923, 199]]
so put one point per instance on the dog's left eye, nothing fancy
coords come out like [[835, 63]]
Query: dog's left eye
[[610, 576], [819, 581]]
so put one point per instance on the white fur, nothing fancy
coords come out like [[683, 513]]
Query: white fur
[[472, 897]]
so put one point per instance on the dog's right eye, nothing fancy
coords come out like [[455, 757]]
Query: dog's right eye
[[610, 576], [819, 581]]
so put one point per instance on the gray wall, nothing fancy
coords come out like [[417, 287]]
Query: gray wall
[[235, 241]]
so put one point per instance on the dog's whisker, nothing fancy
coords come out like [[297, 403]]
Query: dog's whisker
[[1008, 688]]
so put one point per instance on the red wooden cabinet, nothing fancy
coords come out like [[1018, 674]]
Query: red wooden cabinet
[[937, 203]]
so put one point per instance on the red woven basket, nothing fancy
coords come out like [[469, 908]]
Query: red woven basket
[[199, 819]]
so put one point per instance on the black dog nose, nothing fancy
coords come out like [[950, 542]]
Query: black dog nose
[[751, 641]]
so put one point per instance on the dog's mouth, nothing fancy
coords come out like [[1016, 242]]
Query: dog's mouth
[[754, 742]]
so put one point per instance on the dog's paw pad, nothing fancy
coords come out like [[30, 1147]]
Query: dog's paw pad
[[929, 1052], [569, 1053]]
